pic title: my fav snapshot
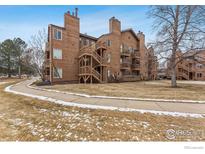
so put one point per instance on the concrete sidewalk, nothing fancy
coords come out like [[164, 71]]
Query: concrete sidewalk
[[132, 104]]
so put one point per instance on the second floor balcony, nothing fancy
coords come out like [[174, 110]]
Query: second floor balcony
[[125, 65], [125, 52], [135, 66], [136, 54]]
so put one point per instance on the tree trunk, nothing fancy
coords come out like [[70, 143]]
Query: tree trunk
[[19, 71], [173, 78]]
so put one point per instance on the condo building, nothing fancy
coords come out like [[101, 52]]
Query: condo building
[[190, 66], [120, 55]]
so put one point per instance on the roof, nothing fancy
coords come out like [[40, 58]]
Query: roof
[[123, 31], [104, 35], [56, 26], [132, 31], [88, 36]]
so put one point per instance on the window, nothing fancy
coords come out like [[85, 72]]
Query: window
[[199, 65], [57, 34], [121, 48], [84, 42], [199, 75], [57, 72], [108, 57], [57, 54], [130, 49], [109, 43], [108, 73]]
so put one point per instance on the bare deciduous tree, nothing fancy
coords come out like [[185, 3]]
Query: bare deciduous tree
[[178, 28], [37, 51]]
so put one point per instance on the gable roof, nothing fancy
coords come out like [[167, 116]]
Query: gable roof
[[131, 31], [88, 36]]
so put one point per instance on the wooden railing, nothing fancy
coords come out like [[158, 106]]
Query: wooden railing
[[98, 57], [85, 70], [136, 54], [125, 52], [135, 66], [125, 65], [95, 73], [183, 74], [101, 45], [130, 77]]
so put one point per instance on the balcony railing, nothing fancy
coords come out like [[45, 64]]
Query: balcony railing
[[125, 52], [130, 78], [125, 65], [136, 54], [135, 66]]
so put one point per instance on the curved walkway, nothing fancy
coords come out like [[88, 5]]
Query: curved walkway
[[156, 107]]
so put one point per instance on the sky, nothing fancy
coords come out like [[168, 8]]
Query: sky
[[25, 21]]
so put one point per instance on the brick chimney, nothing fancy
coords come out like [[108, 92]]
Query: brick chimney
[[114, 26], [76, 12]]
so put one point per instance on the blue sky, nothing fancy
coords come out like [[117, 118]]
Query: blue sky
[[24, 21]]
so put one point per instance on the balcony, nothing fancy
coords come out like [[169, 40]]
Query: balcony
[[135, 66], [125, 65], [125, 52], [130, 78], [136, 54], [184, 75]]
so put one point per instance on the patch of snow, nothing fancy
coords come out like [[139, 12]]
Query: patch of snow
[[144, 124], [17, 121]]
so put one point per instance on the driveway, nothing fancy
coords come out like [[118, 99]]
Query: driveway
[[105, 103]]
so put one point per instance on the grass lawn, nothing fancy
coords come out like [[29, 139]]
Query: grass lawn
[[143, 89], [26, 119]]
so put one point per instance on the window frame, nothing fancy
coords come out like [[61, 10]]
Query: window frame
[[54, 34], [109, 43], [60, 75], [109, 58], [61, 54]]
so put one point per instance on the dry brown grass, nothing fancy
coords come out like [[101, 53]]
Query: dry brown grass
[[26, 119], [145, 89]]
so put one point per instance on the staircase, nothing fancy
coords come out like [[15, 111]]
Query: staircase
[[91, 63]]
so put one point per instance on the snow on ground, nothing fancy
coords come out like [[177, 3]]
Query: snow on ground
[[75, 125], [41, 121]]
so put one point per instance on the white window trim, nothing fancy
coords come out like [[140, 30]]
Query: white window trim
[[108, 57], [108, 73], [54, 34], [61, 53], [56, 77]]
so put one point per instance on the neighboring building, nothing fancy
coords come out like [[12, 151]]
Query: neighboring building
[[152, 65], [120, 55], [191, 67]]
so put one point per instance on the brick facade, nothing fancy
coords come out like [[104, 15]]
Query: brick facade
[[192, 67], [120, 55]]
